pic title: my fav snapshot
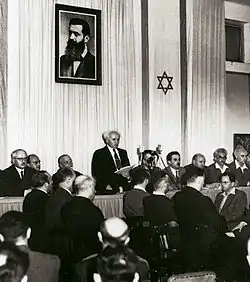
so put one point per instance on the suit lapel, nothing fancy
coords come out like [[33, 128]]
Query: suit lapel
[[228, 202], [16, 174], [110, 158], [171, 176], [218, 201]]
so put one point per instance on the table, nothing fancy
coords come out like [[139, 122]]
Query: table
[[110, 205]]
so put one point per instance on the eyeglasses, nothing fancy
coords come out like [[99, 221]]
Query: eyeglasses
[[36, 162], [222, 157], [225, 182], [20, 159], [175, 159]]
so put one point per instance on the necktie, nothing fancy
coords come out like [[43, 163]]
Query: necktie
[[22, 174], [117, 160], [177, 176]]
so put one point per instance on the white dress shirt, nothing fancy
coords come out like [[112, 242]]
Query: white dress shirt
[[174, 171], [225, 196], [77, 63], [139, 188], [159, 193], [223, 169], [237, 165], [111, 150], [19, 171]]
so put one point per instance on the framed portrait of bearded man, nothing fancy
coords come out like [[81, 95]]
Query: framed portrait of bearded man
[[77, 45]]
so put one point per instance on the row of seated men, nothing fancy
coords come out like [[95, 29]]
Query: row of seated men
[[110, 159]]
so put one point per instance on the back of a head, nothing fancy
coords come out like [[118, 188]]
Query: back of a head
[[117, 264], [14, 263], [192, 174], [138, 176], [39, 178], [114, 231], [85, 185], [13, 225], [63, 173]]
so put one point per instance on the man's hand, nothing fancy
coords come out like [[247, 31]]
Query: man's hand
[[109, 188], [240, 226]]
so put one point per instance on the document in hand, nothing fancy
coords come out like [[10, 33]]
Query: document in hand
[[124, 170]]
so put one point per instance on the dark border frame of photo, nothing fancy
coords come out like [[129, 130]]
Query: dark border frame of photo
[[77, 80]]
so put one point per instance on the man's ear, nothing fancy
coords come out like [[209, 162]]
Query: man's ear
[[86, 38], [28, 233], [136, 277], [1, 238], [97, 277], [99, 234]]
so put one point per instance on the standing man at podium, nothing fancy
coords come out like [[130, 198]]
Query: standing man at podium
[[106, 161]]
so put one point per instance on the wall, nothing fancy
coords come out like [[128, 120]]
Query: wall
[[49, 118], [164, 55], [238, 111]]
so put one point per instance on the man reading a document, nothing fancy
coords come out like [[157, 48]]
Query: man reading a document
[[106, 161]]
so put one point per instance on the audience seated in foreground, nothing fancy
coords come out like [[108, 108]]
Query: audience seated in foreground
[[231, 203], [42, 267], [133, 199], [113, 232], [157, 207], [82, 219], [14, 263]]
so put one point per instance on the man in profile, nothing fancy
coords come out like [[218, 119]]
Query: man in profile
[[106, 161], [77, 60], [34, 162]]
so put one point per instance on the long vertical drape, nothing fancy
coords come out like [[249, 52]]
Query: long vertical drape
[[49, 118], [3, 79], [206, 77]]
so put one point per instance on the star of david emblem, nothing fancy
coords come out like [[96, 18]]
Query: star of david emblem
[[167, 78]]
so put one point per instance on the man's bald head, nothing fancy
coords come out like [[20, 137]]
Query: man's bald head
[[114, 231]]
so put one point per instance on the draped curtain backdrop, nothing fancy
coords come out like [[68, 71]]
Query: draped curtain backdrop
[[206, 77], [3, 79], [49, 118]]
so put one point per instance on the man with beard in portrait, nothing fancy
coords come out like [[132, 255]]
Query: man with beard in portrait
[[78, 61]]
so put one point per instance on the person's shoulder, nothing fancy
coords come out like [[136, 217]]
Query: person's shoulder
[[211, 166], [49, 259], [100, 150], [8, 169], [240, 193]]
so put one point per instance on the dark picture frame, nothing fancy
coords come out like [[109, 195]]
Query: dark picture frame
[[242, 139], [86, 69]]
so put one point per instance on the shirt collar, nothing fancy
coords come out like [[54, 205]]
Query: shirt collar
[[42, 190], [237, 165], [19, 169], [223, 169], [139, 188], [159, 193], [66, 190], [84, 53], [173, 170], [112, 150], [232, 191]]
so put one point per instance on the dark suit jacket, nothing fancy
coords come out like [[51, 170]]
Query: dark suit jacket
[[85, 269], [133, 202], [86, 68], [82, 220], [213, 174], [234, 208], [103, 168], [43, 267], [174, 185], [242, 178], [159, 209], [12, 184], [191, 166], [34, 206]]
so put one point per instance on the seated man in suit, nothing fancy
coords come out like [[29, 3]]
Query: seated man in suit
[[157, 207], [117, 264], [42, 267], [34, 206], [238, 167], [34, 162], [174, 170], [82, 219], [113, 232], [133, 199], [64, 161], [106, 161], [148, 163], [16, 178], [231, 203], [215, 170]]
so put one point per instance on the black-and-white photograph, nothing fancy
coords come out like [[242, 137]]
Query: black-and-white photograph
[[78, 45]]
